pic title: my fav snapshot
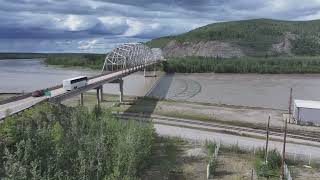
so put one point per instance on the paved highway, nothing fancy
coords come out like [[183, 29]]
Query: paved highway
[[60, 94]]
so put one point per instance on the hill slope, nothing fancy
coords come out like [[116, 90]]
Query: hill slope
[[259, 37]]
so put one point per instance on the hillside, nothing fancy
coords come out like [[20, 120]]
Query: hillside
[[259, 37]]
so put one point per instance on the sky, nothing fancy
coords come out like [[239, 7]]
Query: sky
[[97, 26]]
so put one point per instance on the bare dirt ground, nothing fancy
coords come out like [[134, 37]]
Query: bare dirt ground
[[302, 173], [4, 96], [233, 166], [234, 115], [237, 115]]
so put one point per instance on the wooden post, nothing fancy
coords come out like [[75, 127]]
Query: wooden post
[[284, 151], [251, 174], [267, 141], [81, 99]]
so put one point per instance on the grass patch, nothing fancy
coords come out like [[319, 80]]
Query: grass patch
[[164, 160], [233, 148], [271, 169], [210, 146], [212, 160]]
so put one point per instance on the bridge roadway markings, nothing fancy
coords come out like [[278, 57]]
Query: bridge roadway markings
[[60, 94]]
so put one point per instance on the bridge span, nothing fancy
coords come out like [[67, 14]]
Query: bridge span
[[120, 62]]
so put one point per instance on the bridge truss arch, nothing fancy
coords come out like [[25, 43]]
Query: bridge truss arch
[[130, 55]]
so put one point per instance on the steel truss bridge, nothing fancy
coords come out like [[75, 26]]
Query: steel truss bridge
[[120, 62]]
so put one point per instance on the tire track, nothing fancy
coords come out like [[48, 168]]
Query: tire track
[[191, 89]]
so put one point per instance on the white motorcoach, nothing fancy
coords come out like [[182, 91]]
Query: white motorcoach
[[74, 83]]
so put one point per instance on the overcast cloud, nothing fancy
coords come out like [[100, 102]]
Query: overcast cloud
[[99, 25]]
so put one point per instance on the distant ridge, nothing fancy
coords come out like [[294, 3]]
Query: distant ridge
[[256, 37]]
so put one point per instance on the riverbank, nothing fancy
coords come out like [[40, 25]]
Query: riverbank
[[251, 117], [244, 116]]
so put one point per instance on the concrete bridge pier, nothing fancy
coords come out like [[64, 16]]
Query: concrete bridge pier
[[98, 97], [121, 90], [81, 99], [101, 93], [154, 72]]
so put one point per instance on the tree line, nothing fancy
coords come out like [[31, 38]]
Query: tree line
[[270, 65], [93, 61]]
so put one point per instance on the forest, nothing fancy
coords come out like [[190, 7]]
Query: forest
[[255, 37], [58, 142], [22, 55], [93, 61], [271, 65]]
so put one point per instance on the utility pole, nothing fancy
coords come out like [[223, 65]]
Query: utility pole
[[267, 140], [290, 104], [290, 101], [284, 150]]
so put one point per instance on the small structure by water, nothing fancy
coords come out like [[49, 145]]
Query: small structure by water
[[307, 112]]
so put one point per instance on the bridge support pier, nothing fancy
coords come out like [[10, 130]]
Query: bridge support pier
[[81, 99], [121, 90], [98, 97], [101, 93], [154, 72]]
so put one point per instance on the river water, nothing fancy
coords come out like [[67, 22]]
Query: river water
[[255, 90], [27, 75]]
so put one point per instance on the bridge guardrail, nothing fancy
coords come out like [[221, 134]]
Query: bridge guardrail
[[17, 98]]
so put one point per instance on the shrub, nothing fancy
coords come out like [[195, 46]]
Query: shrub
[[272, 167], [57, 142]]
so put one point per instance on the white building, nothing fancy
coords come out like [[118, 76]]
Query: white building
[[307, 112]]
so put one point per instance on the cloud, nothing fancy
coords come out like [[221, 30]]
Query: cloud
[[95, 25]]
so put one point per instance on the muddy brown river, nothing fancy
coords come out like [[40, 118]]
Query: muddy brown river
[[255, 90]]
